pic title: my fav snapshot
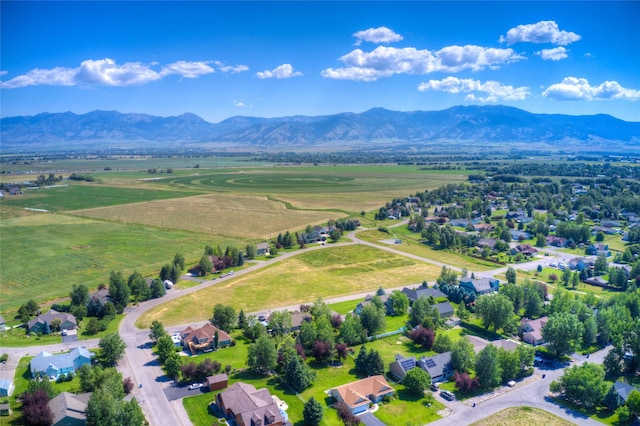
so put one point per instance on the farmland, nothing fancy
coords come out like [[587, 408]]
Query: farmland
[[43, 255], [332, 271], [129, 219]]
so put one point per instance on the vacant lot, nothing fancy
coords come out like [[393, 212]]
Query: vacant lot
[[329, 272], [522, 416], [43, 255], [216, 214]]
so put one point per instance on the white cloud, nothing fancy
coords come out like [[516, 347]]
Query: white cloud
[[240, 104], [377, 35], [4, 72], [540, 32], [579, 89], [187, 69], [387, 61], [106, 72], [555, 54], [282, 71], [495, 91], [234, 69]]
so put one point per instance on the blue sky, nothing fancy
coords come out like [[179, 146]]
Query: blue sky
[[270, 59]]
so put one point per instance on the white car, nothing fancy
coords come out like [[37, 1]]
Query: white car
[[511, 383], [195, 386]]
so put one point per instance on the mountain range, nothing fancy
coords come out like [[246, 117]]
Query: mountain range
[[378, 128]]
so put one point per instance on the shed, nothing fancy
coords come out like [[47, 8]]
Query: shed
[[219, 381]]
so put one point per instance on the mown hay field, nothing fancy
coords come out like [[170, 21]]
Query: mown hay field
[[43, 255], [523, 416], [253, 217], [329, 272]]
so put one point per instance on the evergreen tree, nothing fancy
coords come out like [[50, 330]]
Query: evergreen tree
[[298, 374], [313, 412]]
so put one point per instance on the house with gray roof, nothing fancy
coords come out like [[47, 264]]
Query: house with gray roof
[[480, 286], [69, 409], [414, 293], [445, 309], [624, 389], [6, 387], [54, 365], [42, 323], [439, 366]]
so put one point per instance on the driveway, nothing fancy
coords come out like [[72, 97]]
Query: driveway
[[178, 392], [370, 420]]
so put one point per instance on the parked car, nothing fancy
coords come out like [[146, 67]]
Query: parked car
[[511, 383], [449, 396], [195, 386], [433, 387]]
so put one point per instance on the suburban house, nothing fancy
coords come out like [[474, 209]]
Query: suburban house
[[597, 281], [3, 324], [579, 263], [480, 286], [202, 338], [531, 330], [526, 249], [624, 389], [6, 387], [358, 395], [42, 323], [262, 249], [517, 235], [414, 293], [439, 366], [69, 409], [598, 249], [246, 406], [297, 318], [369, 299], [487, 242], [552, 240], [101, 295], [54, 365], [445, 309], [217, 382]]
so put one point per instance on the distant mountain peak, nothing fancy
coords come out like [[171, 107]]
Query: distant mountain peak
[[376, 127]]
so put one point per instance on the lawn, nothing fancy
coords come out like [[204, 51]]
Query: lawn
[[599, 414], [412, 246], [64, 250], [333, 271], [522, 416]]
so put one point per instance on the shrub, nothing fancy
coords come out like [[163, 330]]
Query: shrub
[[464, 383]]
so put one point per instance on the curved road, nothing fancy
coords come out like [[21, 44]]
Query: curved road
[[141, 365]]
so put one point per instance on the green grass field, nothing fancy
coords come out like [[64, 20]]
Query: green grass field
[[328, 272], [85, 196], [44, 255]]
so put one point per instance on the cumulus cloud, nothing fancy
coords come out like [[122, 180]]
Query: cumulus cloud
[[4, 72], [106, 72], [555, 54], [241, 104], [233, 69], [187, 69], [540, 32], [494, 90], [282, 71], [579, 89], [387, 61], [377, 35]]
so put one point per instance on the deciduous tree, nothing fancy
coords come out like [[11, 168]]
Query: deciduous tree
[[263, 356], [112, 348], [417, 381]]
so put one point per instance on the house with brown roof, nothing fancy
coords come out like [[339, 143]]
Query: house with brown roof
[[248, 406], [41, 323], [69, 409], [203, 338], [531, 330], [358, 395], [219, 381]]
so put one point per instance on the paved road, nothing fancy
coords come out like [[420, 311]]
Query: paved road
[[141, 365], [533, 392]]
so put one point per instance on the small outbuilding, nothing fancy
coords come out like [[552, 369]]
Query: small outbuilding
[[217, 382]]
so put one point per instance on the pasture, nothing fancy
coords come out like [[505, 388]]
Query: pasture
[[43, 255], [238, 216], [334, 271]]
